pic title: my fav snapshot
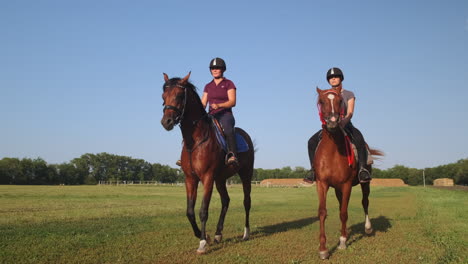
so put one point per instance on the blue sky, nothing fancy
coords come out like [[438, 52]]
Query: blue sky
[[85, 76]]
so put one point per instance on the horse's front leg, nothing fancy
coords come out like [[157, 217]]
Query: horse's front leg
[[345, 194], [322, 189], [191, 186], [207, 191]]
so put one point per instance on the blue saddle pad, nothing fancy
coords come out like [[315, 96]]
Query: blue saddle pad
[[242, 145]]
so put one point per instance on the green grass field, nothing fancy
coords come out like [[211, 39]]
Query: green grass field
[[147, 224]]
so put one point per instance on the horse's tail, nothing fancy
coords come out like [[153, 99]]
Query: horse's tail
[[376, 152]]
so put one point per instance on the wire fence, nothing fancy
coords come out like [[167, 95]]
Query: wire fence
[[156, 183]]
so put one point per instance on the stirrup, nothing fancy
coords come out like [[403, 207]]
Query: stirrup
[[366, 179], [178, 163], [231, 159]]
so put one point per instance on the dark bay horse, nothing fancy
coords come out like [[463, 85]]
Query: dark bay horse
[[202, 156], [332, 167]]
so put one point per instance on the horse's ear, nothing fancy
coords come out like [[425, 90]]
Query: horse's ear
[[318, 90], [185, 79], [166, 78]]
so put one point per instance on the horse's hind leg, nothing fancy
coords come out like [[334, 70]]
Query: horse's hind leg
[[365, 204], [246, 177], [221, 187]]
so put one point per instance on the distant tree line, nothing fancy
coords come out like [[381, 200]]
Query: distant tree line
[[92, 168], [87, 169]]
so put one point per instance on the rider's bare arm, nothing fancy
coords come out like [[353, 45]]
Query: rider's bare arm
[[349, 113]]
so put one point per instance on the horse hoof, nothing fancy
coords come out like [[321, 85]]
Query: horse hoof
[[246, 234], [202, 248], [324, 254], [218, 238], [342, 243], [368, 230]]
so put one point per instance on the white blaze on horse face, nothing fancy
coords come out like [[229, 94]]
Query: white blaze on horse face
[[332, 97]]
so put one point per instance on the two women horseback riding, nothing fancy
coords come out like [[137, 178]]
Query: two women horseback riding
[[335, 78]]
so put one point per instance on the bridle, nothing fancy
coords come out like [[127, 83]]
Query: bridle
[[338, 116], [180, 117], [180, 113]]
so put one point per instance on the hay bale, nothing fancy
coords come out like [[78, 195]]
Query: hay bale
[[443, 182], [284, 183], [388, 182]]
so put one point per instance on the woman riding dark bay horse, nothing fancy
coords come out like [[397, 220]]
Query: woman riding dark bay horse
[[334, 168], [202, 158]]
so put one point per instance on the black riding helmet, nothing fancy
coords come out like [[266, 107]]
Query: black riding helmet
[[218, 63], [335, 72]]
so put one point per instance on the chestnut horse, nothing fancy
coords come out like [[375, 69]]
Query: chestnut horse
[[202, 156], [332, 167]]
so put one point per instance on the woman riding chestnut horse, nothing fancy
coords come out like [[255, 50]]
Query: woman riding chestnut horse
[[333, 161], [335, 78]]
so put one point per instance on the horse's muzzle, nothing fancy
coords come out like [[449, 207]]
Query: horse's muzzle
[[332, 125], [332, 121], [168, 123]]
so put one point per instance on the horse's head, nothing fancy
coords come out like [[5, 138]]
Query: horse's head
[[330, 107], [175, 100]]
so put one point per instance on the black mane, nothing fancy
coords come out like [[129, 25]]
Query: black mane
[[176, 81]]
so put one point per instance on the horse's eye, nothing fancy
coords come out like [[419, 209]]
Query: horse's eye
[[180, 97]]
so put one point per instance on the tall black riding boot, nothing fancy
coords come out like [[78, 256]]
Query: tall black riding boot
[[231, 157], [363, 174], [311, 177], [311, 147]]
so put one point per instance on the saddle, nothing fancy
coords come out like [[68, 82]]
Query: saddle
[[351, 151], [241, 143]]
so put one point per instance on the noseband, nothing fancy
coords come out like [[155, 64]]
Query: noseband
[[180, 113]]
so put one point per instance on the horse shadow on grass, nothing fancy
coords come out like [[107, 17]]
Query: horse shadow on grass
[[356, 232], [269, 230], [284, 226]]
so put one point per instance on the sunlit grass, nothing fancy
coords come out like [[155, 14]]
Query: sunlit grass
[[147, 224]]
